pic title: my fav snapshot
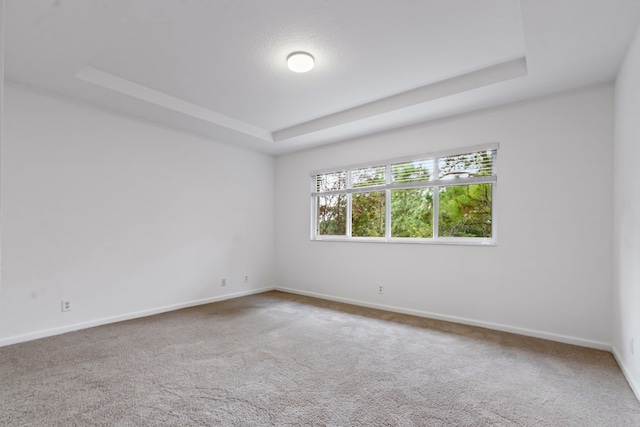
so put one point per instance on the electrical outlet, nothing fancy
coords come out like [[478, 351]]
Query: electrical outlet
[[380, 291], [246, 279], [224, 282], [66, 305], [631, 345]]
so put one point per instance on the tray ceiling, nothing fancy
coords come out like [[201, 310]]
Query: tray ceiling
[[218, 68]]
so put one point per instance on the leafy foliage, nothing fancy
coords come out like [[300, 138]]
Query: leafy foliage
[[368, 214], [412, 212], [465, 211], [332, 215]]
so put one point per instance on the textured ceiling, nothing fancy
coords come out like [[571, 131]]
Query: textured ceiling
[[218, 69]]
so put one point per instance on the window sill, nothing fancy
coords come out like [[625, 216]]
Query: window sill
[[438, 241]]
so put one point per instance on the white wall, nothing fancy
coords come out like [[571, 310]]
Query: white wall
[[122, 217], [1, 120], [549, 275], [626, 249]]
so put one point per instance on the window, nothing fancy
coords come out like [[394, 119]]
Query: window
[[444, 197]]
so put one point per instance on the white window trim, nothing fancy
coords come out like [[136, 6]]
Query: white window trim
[[435, 184]]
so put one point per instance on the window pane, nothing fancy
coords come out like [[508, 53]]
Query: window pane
[[331, 181], [419, 170], [368, 214], [366, 177], [332, 215], [479, 163], [465, 211], [412, 212]]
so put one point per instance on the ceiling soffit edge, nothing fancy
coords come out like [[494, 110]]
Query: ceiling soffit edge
[[462, 83]]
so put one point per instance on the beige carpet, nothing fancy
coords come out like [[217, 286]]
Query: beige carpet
[[286, 360]]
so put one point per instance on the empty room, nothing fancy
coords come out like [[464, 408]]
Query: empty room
[[320, 213]]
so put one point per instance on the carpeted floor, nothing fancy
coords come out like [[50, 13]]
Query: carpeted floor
[[287, 360]]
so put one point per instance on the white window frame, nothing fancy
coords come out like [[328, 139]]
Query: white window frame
[[435, 184]]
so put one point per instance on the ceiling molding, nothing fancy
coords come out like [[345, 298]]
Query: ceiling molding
[[484, 77], [129, 88], [490, 75]]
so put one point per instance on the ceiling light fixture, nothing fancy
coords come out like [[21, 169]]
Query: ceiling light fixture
[[300, 62]]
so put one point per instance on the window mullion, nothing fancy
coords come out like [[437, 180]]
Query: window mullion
[[314, 208], [387, 199], [436, 208], [494, 217], [436, 198], [494, 193], [349, 210]]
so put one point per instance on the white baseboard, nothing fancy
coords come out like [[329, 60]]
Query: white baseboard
[[106, 320], [635, 386], [489, 325], [505, 328]]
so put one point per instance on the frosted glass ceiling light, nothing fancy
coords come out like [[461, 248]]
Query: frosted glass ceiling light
[[300, 62]]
